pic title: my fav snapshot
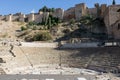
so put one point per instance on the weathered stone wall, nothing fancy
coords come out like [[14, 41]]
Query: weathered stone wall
[[38, 17], [22, 18], [80, 10], [69, 14], [113, 14], [110, 17], [116, 30], [2, 18], [15, 18], [92, 11], [9, 18], [109, 13], [31, 17], [72, 13], [106, 21], [76, 12], [103, 8], [59, 13]]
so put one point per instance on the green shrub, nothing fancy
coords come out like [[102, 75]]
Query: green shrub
[[29, 38], [32, 23], [23, 28], [66, 31], [42, 36], [34, 28], [72, 21]]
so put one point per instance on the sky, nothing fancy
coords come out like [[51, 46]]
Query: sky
[[26, 6]]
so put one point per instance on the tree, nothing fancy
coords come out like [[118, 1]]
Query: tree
[[113, 2], [53, 9], [44, 9], [72, 21], [44, 36], [23, 28], [49, 10], [46, 21], [49, 23]]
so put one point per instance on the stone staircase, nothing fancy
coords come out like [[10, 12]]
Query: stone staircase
[[2, 71]]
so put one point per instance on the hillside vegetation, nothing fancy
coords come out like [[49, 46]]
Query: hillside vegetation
[[54, 29]]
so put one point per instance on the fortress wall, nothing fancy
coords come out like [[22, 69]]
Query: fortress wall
[[15, 18], [73, 12], [107, 22], [59, 13], [115, 30], [69, 14], [2, 18], [38, 18], [109, 14], [92, 11], [110, 17], [103, 8], [22, 17], [114, 15], [31, 17], [80, 10], [9, 18]]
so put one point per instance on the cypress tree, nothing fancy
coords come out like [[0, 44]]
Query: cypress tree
[[49, 23], [113, 2]]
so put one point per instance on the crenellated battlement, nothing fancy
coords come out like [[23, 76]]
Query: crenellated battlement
[[74, 12], [110, 14]]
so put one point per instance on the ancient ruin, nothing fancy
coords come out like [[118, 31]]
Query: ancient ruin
[[74, 56]]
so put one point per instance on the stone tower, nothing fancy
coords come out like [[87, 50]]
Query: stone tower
[[22, 18], [31, 17], [9, 17], [97, 6], [102, 9], [59, 13], [80, 10]]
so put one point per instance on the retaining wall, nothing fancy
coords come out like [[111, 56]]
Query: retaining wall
[[79, 45], [32, 44]]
